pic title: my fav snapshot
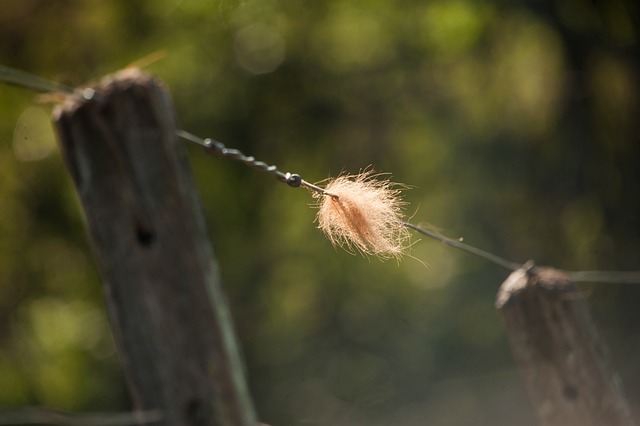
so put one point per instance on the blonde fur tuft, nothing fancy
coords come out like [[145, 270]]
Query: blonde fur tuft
[[364, 212]]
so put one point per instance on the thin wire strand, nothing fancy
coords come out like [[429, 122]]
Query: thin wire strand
[[617, 277], [30, 81], [506, 264], [50, 416], [218, 149]]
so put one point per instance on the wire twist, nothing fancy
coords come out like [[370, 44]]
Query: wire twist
[[218, 149]]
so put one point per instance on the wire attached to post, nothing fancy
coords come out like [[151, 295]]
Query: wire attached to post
[[506, 264], [218, 149]]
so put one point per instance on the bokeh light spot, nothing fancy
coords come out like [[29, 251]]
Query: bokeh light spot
[[260, 48], [33, 137]]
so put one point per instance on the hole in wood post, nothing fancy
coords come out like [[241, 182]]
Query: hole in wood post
[[144, 236], [570, 392], [193, 411]]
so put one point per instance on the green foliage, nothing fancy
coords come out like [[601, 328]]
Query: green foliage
[[516, 124]]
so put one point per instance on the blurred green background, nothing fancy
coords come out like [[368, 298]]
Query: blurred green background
[[516, 124]]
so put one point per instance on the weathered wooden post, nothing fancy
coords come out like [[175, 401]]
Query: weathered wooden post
[[561, 358], [167, 310]]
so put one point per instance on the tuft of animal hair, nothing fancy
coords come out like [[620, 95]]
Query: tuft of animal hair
[[363, 212]]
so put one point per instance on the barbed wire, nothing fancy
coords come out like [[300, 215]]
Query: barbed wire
[[218, 149]]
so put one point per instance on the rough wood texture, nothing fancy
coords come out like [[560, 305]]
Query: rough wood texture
[[562, 359], [167, 310]]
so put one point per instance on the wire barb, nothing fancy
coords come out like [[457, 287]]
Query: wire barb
[[218, 149]]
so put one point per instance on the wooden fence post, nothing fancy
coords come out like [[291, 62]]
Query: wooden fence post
[[561, 358], [167, 310]]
